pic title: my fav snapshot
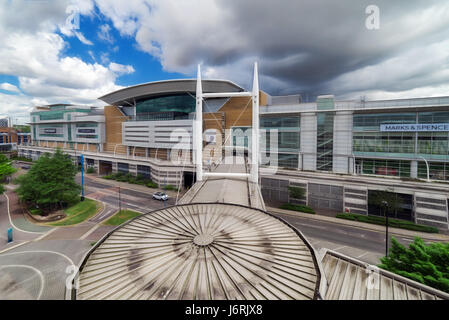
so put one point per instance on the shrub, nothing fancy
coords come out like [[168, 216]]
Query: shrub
[[20, 158], [152, 184], [297, 207], [396, 223], [35, 211], [90, 170], [169, 187]]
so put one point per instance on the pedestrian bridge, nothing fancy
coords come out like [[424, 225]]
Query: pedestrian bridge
[[227, 182]]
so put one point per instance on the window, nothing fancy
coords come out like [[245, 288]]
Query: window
[[166, 107], [325, 141]]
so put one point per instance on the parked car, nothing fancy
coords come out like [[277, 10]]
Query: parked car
[[160, 196]]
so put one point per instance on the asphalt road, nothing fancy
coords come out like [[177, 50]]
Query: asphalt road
[[130, 199], [363, 244]]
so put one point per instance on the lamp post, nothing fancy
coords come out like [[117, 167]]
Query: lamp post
[[385, 205], [82, 178], [119, 201], [427, 165]]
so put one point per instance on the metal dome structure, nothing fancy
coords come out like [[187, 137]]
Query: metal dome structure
[[201, 251]]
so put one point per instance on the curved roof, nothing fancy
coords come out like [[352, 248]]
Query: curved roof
[[201, 251], [127, 95]]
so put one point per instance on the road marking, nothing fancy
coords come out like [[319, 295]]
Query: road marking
[[310, 225], [362, 255], [339, 248], [10, 220], [15, 246], [41, 276], [84, 236], [45, 234], [44, 251]]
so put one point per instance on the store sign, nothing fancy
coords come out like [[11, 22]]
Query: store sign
[[50, 130], [414, 127], [86, 130]]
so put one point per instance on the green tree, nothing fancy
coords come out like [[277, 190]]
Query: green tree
[[386, 200], [427, 264], [50, 183], [296, 192], [6, 169]]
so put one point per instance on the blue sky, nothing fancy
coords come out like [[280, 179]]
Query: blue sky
[[122, 50], [309, 47]]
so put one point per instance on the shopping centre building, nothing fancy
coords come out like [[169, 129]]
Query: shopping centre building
[[339, 151]]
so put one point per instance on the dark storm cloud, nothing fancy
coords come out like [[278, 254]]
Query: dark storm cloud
[[301, 46], [318, 41]]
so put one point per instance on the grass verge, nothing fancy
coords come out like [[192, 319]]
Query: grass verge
[[297, 207], [79, 212], [121, 217], [396, 223]]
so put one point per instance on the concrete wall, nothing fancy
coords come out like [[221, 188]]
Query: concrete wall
[[342, 142], [308, 141]]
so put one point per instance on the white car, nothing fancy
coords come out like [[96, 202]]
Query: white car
[[160, 196]]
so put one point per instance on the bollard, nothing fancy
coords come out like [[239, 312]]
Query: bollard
[[9, 235]]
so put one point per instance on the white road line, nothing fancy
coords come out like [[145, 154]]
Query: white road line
[[45, 234], [15, 246], [41, 276], [44, 251], [10, 220], [309, 225], [339, 248], [362, 255], [84, 236]]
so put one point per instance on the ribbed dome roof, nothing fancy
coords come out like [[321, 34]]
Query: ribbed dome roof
[[201, 251]]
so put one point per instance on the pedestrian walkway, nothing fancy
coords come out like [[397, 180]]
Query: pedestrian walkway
[[17, 215], [366, 226], [235, 190]]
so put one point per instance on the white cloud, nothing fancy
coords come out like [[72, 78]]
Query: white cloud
[[9, 87], [120, 68], [105, 33], [33, 51]]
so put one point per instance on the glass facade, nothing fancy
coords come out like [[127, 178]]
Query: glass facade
[[288, 137], [437, 170], [56, 113], [289, 132], [286, 160], [165, 108], [368, 140], [398, 168], [325, 141]]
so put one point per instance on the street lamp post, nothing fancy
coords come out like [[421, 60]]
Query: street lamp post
[[427, 166], [119, 201], [82, 178], [385, 205]]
